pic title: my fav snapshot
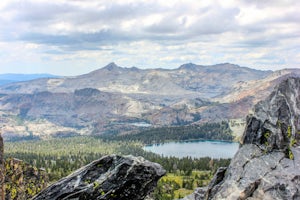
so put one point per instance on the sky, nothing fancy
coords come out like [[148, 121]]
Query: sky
[[72, 37]]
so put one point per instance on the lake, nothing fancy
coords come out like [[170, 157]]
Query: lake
[[195, 149]]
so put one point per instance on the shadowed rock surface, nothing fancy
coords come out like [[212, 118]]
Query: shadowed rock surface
[[267, 165], [111, 177]]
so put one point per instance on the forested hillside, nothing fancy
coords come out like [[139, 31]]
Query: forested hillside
[[61, 156], [207, 131]]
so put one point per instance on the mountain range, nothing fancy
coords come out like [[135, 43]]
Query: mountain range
[[114, 99]]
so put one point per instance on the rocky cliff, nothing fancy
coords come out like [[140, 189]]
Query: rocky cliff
[[267, 165], [111, 177]]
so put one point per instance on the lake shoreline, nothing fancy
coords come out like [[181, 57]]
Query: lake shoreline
[[195, 148], [192, 140]]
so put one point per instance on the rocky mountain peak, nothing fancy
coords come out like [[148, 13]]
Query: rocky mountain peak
[[189, 66], [267, 165], [112, 66]]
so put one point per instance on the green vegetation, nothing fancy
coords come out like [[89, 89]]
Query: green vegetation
[[265, 141], [289, 132], [293, 142], [177, 185], [289, 154], [207, 131], [60, 157], [23, 181]]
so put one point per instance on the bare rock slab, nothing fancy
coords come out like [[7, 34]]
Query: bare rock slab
[[111, 177]]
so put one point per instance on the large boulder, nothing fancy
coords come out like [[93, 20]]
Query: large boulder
[[267, 165], [111, 177]]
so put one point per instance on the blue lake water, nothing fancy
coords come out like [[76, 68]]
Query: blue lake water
[[195, 149]]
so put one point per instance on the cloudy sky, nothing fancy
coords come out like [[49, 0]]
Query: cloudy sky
[[70, 37]]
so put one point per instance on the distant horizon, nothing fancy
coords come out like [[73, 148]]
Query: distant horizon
[[126, 67]]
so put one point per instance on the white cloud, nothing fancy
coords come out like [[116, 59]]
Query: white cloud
[[148, 33]]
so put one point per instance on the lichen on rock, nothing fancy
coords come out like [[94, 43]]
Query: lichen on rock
[[275, 123]]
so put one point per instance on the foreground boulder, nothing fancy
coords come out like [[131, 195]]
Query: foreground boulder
[[267, 165], [111, 177]]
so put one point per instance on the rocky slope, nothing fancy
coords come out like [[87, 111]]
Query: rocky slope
[[23, 181], [19, 180], [267, 165], [208, 81], [111, 177], [257, 88]]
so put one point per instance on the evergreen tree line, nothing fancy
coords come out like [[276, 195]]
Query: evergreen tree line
[[60, 157], [63, 159], [173, 164], [207, 131]]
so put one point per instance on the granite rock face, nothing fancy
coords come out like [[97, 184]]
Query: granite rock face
[[275, 124], [111, 177], [267, 165]]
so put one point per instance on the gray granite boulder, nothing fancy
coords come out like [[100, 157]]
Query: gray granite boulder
[[111, 177]]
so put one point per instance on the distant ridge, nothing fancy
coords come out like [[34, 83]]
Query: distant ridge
[[11, 77], [188, 79], [110, 99]]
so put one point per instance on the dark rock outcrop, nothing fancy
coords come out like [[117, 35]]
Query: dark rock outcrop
[[276, 121], [267, 165], [111, 177]]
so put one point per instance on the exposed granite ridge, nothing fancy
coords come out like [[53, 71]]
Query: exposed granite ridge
[[275, 123], [267, 165], [111, 177]]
